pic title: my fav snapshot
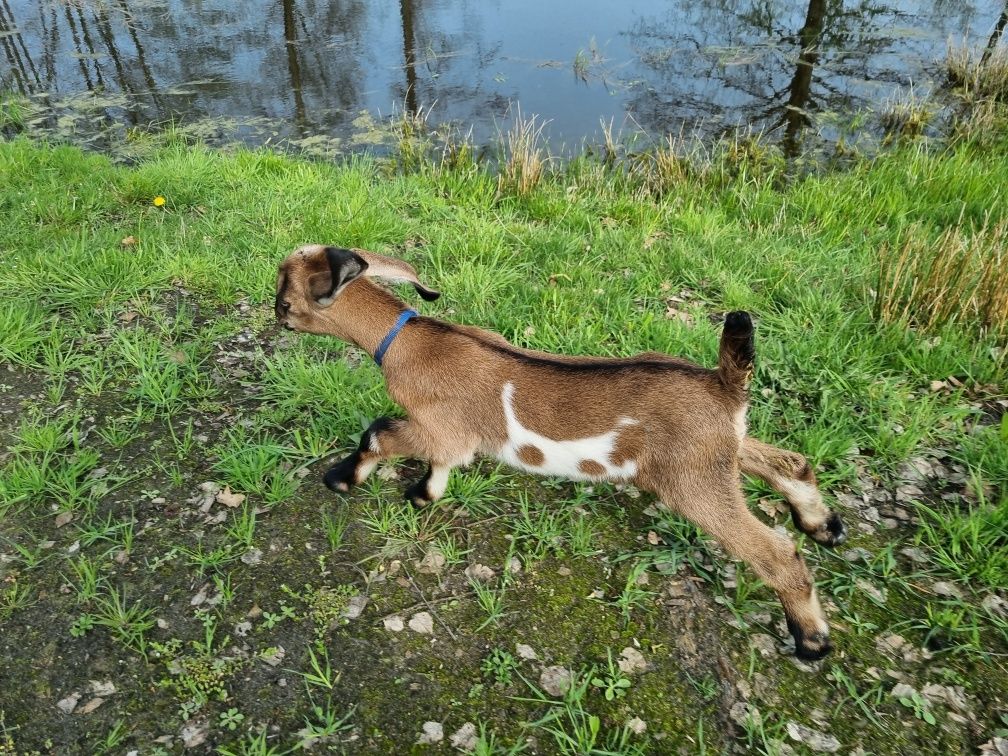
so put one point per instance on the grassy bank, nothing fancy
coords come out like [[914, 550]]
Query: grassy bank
[[173, 572]]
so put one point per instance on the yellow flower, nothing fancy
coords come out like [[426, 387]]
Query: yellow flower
[[159, 201]]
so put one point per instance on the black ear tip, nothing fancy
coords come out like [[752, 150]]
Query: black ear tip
[[428, 294]]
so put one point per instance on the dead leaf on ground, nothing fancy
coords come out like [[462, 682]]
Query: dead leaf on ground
[[91, 705], [631, 661], [433, 732], [815, 740], [229, 499], [555, 680], [465, 738], [422, 623], [68, 704], [772, 507]]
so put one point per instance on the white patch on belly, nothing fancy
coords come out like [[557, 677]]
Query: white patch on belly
[[562, 458]]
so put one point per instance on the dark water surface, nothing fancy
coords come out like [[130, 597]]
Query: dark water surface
[[320, 74]]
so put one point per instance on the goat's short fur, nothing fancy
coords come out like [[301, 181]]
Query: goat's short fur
[[660, 422]]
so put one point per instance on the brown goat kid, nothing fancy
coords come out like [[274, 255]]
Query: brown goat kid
[[662, 423]]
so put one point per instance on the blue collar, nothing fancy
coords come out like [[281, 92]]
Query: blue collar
[[379, 355]]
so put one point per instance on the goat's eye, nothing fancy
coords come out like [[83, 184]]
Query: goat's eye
[[285, 305]]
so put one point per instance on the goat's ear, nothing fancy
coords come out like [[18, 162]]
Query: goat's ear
[[393, 269], [344, 266]]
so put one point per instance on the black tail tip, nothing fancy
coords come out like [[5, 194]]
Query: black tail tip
[[738, 323]]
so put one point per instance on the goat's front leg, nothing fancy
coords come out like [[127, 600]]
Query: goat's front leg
[[387, 437], [431, 486]]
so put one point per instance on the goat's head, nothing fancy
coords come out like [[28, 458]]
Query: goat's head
[[314, 280]]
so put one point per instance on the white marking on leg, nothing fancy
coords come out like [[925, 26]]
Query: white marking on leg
[[438, 481], [799, 493], [364, 469], [741, 428], [373, 444], [563, 457], [823, 626]]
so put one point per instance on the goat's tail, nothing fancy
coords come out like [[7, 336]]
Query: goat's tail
[[737, 352]]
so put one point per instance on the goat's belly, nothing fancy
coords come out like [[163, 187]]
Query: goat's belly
[[581, 459], [589, 458]]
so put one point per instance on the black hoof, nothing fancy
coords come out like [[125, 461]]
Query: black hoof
[[341, 476], [836, 529], [830, 533], [813, 647], [809, 647], [417, 494]]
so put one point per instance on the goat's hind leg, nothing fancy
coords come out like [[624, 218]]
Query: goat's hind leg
[[721, 511], [789, 474]]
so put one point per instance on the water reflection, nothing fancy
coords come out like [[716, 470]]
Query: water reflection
[[409, 54], [995, 36], [298, 69], [795, 113]]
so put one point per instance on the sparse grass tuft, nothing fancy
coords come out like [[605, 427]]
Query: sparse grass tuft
[[411, 133], [12, 113], [667, 166], [958, 278], [905, 114], [971, 545], [128, 623], [981, 75], [524, 161]]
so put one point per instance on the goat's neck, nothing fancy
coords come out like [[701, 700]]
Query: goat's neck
[[366, 314]]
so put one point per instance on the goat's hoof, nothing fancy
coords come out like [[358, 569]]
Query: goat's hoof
[[417, 494], [812, 647], [831, 532], [809, 646], [340, 477]]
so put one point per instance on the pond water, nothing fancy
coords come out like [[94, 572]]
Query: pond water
[[319, 74]]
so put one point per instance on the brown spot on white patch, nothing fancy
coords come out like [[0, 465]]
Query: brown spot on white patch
[[591, 467], [531, 455]]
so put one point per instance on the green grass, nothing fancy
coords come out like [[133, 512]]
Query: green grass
[[139, 379]]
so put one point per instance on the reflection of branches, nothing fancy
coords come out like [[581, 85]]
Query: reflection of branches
[[77, 47], [753, 72], [795, 117], [995, 36], [141, 58], [108, 37], [409, 54], [293, 65], [16, 51]]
